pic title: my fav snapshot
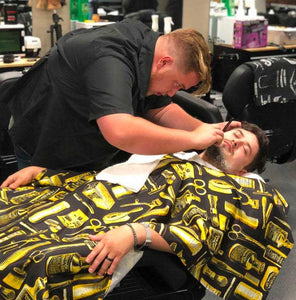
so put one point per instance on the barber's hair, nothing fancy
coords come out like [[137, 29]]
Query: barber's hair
[[195, 55], [260, 159]]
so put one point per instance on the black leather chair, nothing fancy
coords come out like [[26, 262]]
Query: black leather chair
[[158, 276], [198, 108], [142, 10], [8, 163], [276, 118]]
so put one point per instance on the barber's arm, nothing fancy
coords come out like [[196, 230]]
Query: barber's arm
[[118, 242], [173, 116], [141, 136]]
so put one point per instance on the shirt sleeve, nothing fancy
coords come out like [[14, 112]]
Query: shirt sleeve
[[109, 83], [157, 101]]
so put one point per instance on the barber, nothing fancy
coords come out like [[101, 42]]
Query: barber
[[103, 89]]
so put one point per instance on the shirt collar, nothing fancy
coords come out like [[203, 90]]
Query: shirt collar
[[146, 60]]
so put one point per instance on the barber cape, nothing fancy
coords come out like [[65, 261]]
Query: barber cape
[[230, 232], [133, 173]]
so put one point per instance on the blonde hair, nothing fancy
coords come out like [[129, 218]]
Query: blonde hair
[[195, 55]]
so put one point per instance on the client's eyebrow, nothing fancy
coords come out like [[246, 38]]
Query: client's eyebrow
[[242, 134]]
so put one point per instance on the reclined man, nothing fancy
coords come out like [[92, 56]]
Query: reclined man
[[230, 232]]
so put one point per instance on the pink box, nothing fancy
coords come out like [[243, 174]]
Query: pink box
[[250, 33]]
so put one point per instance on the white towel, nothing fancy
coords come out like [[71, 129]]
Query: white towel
[[133, 173], [124, 266]]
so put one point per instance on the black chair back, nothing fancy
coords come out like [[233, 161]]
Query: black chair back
[[272, 82], [8, 163]]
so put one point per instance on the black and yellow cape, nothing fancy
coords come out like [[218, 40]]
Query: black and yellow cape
[[230, 232]]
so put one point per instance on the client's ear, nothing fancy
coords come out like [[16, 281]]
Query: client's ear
[[242, 172]]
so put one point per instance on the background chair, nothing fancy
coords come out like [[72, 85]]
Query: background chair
[[142, 10], [276, 118], [8, 163]]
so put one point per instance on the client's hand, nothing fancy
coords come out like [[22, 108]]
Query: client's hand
[[110, 249], [22, 177]]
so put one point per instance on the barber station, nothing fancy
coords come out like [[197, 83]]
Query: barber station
[[109, 188]]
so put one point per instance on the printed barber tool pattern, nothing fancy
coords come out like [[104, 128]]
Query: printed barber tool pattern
[[230, 232]]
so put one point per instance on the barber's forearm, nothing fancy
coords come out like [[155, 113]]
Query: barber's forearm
[[173, 116], [140, 136]]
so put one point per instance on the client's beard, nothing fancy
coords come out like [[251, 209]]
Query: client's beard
[[215, 157]]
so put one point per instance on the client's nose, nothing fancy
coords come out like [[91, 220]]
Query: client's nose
[[237, 143]]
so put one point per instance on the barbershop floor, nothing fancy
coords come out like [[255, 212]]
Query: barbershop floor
[[283, 177]]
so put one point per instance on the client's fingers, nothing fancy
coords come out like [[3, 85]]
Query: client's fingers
[[8, 181], [219, 135], [113, 266], [96, 250], [96, 257], [106, 264]]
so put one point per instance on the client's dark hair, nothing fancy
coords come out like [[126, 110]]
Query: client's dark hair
[[260, 159]]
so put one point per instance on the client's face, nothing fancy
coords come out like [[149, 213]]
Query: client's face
[[237, 150]]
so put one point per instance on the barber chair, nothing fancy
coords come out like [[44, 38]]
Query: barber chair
[[198, 108], [139, 10], [143, 15], [158, 276], [142, 10], [276, 118], [8, 163]]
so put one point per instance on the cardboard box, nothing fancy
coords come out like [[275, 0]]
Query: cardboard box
[[225, 29], [250, 33], [281, 35]]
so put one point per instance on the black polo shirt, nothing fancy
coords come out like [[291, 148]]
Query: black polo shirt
[[89, 74]]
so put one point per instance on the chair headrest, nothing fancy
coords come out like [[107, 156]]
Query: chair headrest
[[275, 117], [274, 80], [236, 96]]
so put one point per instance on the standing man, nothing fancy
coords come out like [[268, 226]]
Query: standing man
[[103, 89]]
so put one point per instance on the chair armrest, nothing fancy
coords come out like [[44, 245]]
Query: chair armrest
[[198, 108]]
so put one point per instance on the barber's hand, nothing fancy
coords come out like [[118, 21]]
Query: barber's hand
[[22, 177], [110, 249], [233, 124], [207, 135]]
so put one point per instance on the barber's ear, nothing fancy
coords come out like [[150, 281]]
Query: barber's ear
[[164, 61]]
